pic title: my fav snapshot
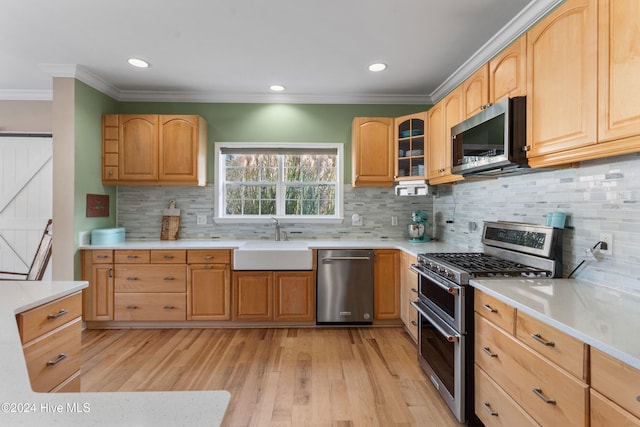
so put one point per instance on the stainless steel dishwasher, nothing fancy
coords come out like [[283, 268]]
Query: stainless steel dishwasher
[[344, 286]]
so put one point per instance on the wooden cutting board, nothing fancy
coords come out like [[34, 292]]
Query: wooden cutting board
[[170, 222]]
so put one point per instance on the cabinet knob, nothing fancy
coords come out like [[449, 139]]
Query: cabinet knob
[[208, 257], [168, 307], [169, 278]]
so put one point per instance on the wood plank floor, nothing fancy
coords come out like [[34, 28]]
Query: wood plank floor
[[276, 377]]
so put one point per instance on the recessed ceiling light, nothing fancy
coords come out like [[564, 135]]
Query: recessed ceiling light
[[378, 66], [136, 62], [276, 88]]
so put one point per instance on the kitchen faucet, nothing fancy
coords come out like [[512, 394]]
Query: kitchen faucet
[[277, 224]]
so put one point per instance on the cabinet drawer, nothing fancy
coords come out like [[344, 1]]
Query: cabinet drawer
[[70, 385], [151, 278], [605, 413], [498, 312], [548, 393], [101, 257], [217, 256], [54, 357], [616, 380], [131, 257], [494, 407], [150, 306], [168, 257], [559, 347], [47, 317]]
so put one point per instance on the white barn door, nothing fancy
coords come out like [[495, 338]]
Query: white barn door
[[25, 198]]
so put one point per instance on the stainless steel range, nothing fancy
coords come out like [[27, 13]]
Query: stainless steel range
[[445, 304]]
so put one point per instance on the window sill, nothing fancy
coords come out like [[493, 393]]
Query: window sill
[[281, 220]]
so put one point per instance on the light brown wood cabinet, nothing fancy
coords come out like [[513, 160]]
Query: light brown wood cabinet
[[51, 341], [617, 385], [386, 284], [274, 295], [97, 298], [410, 147], [372, 152], [209, 284], [150, 149], [605, 413], [508, 72], [408, 293], [475, 92], [442, 116]]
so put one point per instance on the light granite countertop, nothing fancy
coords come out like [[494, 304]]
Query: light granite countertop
[[605, 318], [20, 406]]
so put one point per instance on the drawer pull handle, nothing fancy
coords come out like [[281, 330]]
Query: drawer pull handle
[[489, 352], [102, 256], [132, 307], [169, 278], [208, 266], [58, 314], [169, 257], [60, 358], [414, 290], [541, 340], [489, 308], [110, 274], [208, 257], [132, 278], [169, 307], [132, 256], [538, 392], [487, 407]]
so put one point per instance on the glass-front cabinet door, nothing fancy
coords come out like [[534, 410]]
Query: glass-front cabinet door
[[410, 146]]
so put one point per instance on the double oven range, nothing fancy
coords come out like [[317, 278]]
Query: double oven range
[[445, 304]]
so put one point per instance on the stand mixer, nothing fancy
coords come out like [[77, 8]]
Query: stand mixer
[[417, 226]]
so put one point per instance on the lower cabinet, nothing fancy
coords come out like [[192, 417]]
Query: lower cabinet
[[97, 269], [208, 285], [51, 341], [274, 295], [386, 284], [408, 293]]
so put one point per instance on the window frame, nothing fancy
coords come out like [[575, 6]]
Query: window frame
[[219, 172]]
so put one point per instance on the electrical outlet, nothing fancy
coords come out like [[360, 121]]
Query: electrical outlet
[[394, 220], [201, 219], [608, 239]]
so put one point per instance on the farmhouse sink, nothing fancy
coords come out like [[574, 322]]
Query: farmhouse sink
[[273, 255]]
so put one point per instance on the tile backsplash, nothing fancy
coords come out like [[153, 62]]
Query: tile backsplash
[[599, 196]]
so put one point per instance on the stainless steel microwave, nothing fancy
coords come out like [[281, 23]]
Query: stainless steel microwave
[[493, 142]]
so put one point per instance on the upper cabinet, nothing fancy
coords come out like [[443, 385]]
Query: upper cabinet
[[442, 117], [150, 149], [562, 80], [410, 146], [475, 92], [508, 72], [372, 156]]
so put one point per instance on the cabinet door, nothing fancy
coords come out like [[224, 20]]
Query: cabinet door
[[408, 292], [178, 149], [138, 147], [605, 413], [373, 158], [294, 296], [508, 72], [619, 68], [410, 146], [386, 285], [435, 141], [253, 295], [476, 91], [442, 116], [562, 80], [209, 292], [97, 299]]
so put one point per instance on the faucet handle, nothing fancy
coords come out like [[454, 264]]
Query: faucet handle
[[284, 235]]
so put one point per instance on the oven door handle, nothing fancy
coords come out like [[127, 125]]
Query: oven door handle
[[448, 336], [451, 290]]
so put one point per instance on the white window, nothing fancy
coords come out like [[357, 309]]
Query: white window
[[257, 181]]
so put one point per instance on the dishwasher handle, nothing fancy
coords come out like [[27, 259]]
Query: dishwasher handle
[[346, 258]]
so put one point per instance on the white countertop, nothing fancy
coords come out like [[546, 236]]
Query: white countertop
[[412, 248], [605, 318], [20, 406]]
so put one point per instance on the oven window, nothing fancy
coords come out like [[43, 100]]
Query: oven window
[[430, 290], [438, 352]]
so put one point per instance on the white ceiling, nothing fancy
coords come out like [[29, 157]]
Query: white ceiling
[[232, 50]]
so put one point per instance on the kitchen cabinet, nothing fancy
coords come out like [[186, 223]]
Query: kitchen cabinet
[[51, 341], [410, 146], [274, 295], [605, 413], [475, 92], [562, 81], [209, 284], [150, 149], [97, 299], [508, 72], [386, 284], [408, 293], [546, 381], [616, 384], [372, 152], [442, 117]]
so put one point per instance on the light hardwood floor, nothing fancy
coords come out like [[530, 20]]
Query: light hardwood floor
[[276, 377]]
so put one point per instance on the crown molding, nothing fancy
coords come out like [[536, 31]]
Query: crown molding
[[26, 95], [524, 20]]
